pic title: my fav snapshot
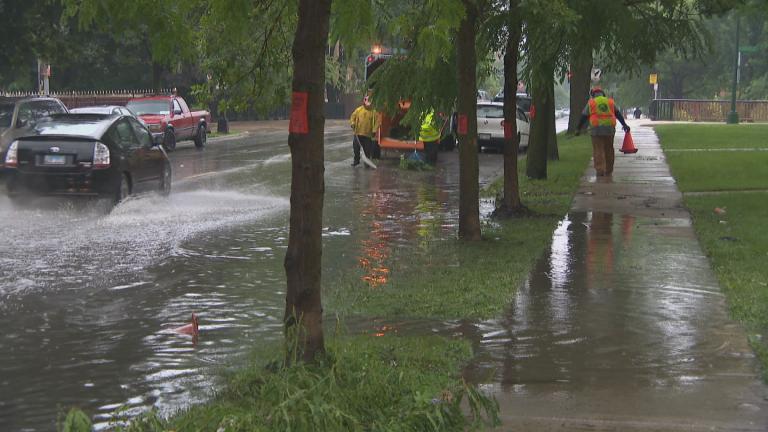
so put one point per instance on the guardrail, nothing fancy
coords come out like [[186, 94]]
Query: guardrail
[[707, 110]]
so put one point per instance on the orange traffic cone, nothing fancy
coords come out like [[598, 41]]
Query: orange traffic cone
[[629, 145], [190, 329]]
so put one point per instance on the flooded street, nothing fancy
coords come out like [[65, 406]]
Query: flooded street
[[87, 299]]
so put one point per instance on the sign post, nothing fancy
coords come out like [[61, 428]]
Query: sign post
[[654, 79]]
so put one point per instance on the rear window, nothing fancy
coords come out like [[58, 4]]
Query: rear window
[[32, 111], [490, 111], [6, 115], [161, 107]]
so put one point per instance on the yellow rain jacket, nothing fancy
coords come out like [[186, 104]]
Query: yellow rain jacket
[[364, 121]]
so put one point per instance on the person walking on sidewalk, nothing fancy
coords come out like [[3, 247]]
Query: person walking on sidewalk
[[364, 124], [602, 113]]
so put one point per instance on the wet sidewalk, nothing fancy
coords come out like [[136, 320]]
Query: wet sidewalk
[[622, 326]]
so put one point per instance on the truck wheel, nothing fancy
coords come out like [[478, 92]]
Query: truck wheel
[[169, 140], [201, 138]]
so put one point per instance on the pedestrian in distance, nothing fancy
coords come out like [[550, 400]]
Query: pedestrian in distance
[[638, 113], [429, 134], [364, 124], [602, 113]]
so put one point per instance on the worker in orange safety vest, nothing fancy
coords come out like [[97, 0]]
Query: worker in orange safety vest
[[602, 113]]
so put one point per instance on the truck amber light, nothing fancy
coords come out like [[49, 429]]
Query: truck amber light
[[100, 156], [12, 157]]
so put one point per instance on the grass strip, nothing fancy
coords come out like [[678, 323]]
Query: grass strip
[[454, 279], [364, 384], [709, 136], [734, 240], [716, 170]]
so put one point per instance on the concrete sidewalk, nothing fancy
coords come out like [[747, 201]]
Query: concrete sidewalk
[[622, 326]]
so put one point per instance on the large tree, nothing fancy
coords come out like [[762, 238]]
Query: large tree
[[303, 306], [466, 72]]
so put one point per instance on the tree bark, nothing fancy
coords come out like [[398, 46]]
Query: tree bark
[[157, 72], [549, 110], [469, 177], [303, 317], [581, 71], [511, 202], [536, 167]]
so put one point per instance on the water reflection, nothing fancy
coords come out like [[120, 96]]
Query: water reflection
[[606, 323]]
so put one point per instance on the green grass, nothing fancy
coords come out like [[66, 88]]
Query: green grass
[[736, 242], [705, 136], [365, 383], [716, 170], [454, 279]]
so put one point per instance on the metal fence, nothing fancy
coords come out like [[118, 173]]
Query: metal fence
[[707, 110], [77, 99]]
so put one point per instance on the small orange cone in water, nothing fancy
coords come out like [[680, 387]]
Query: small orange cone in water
[[190, 329], [629, 144]]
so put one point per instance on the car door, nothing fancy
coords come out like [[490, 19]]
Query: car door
[[180, 121], [189, 122], [132, 155], [149, 157]]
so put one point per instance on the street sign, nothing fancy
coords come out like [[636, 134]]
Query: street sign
[[596, 74], [653, 79], [749, 49]]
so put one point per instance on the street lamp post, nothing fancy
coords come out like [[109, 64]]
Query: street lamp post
[[733, 116]]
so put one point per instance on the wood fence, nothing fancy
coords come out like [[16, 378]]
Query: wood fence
[[77, 99]]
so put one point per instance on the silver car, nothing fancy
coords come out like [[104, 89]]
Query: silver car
[[17, 115]]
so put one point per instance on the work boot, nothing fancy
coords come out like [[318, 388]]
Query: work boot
[[356, 163]]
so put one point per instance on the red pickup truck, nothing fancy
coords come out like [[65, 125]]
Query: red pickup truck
[[170, 121]]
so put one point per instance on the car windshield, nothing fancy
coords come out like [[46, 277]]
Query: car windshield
[[490, 111], [149, 107], [6, 115]]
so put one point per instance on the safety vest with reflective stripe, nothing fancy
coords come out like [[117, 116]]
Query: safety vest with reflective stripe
[[602, 112], [428, 131]]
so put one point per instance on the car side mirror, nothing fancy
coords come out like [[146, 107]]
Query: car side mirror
[[177, 112]]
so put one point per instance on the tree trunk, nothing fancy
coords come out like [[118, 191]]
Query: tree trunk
[[536, 167], [303, 317], [157, 72], [549, 109], [469, 177], [581, 72], [511, 202]]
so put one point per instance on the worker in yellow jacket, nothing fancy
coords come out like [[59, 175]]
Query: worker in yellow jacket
[[364, 123], [429, 134]]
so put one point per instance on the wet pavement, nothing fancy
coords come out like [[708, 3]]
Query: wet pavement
[[621, 326], [88, 299]]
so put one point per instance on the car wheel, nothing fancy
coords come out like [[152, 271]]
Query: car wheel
[[169, 140], [165, 180], [201, 138], [124, 190]]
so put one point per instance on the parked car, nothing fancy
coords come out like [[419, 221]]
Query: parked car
[[523, 101], [490, 131], [103, 109], [170, 120], [16, 115], [96, 155]]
